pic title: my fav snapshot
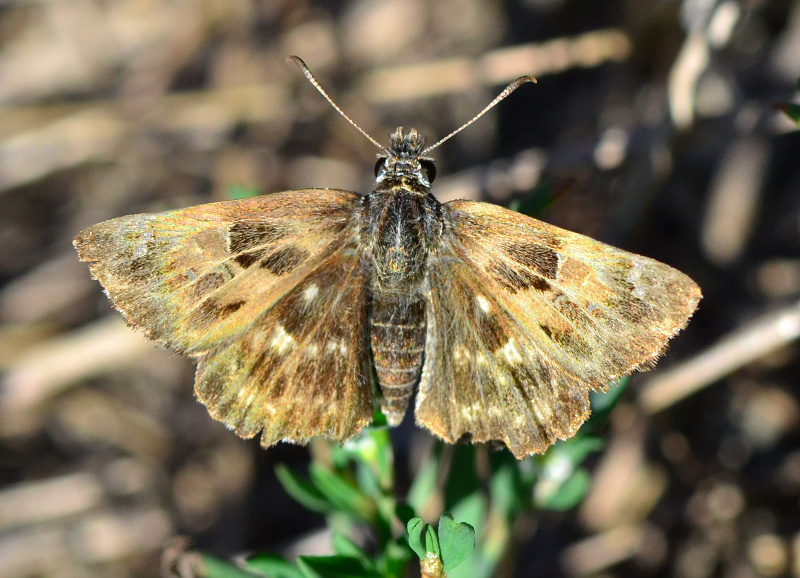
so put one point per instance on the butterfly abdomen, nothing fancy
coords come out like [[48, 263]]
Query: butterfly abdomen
[[397, 337], [402, 222]]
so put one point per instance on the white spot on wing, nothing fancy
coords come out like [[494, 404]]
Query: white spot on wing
[[635, 279], [140, 249], [339, 347], [543, 412], [511, 352], [469, 412], [281, 341], [310, 292], [246, 396], [461, 355], [483, 303]]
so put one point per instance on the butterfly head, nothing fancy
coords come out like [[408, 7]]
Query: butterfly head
[[403, 160]]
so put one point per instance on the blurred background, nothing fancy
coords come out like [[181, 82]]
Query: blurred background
[[652, 127]]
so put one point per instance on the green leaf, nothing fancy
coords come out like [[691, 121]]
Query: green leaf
[[373, 450], [274, 566], [415, 528], [559, 465], [571, 492], [216, 568], [344, 546], [575, 450], [456, 540], [303, 491], [344, 495], [505, 485], [424, 485], [334, 567], [462, 480], [396, 556], [465, 498], [431, 541]]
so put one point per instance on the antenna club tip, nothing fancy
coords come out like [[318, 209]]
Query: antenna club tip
[[297, 61], [524, 79]]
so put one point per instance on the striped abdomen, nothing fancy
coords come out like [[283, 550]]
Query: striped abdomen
[[397, 336]]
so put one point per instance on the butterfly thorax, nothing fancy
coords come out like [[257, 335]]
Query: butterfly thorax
[[402, 219], [403, 222]]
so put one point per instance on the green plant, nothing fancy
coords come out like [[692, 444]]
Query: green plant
[[486, 494]]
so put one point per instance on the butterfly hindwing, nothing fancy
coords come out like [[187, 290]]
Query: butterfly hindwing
[[302, 369], [268, 293], [525, 318]]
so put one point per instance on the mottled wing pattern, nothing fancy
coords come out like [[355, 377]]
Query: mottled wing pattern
[[268, 294], [525, 318]]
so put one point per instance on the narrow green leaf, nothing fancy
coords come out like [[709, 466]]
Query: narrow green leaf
[[415, 528], [302, 490], [216, 568], [456, 540], [465, 498], [372, 451], [274, 566], [571, 492], [559, 466], [334, 567], [463, 480], [574, 450], [505, 485], [395, 558], [344, 546], [344, 495], [424, 484], [431, 541]]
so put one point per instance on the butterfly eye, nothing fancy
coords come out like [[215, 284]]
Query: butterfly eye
[[379, 166], [428, 169]]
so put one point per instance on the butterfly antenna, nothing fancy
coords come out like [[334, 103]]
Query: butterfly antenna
[[506, 91], [304, 68]]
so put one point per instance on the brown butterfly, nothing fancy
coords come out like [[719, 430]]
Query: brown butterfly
[[288, 301]]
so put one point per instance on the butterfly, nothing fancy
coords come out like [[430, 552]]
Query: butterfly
[[304, 308]]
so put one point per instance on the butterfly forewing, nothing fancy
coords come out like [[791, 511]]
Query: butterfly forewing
[[525, 318], [192, 277], [268, 293]]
